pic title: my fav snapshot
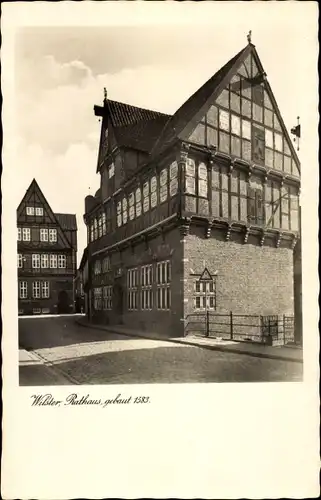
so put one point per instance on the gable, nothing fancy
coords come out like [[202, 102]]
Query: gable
[[35, 198], [243, 120]]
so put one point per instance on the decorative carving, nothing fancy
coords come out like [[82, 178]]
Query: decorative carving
[[208, 230], [249, 173], [247, 233], [278, 240], [282, 181], [231, 167], [228, 232], [185, 226], [294, 242], [262, 238]]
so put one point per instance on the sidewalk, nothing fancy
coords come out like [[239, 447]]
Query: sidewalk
[[259, 350]]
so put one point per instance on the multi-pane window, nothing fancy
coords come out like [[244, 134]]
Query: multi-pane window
[[19, 233], [124, 210], [20, 260], [39, 211], [52, 235], [97, 267], [104, 226], [111, 170], [146, 287], [36, 289], [26, 234], [163, 185], [23, 289], [30, 210], [119, 213], [100, 226], [196, 178], [190, 176], [153, 190], [131, 205], [43, 234], [107, 297], [44, 260], [95, 229], [163, 280], [205, 295], [92, 231], [173, 174], [146, 196], [132, 287], [138, 199], [53, 261], [45, 289], [35, 261], [62, 261], [106, 264], [97, 298]]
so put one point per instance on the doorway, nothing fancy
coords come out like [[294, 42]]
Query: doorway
[[63, 303]]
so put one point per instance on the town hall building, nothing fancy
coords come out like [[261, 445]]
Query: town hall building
[[47, 256], [213, 188]]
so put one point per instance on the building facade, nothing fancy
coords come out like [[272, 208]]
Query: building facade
[[47, 256], [216, 185]]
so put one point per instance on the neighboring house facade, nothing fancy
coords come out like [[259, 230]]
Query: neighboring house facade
[[216, 185], [82, 283], [47, 256]]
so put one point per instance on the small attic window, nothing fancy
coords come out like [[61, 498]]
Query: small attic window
[[111, 171], [30, 210]]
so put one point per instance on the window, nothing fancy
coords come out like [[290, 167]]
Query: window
[[45, 289], [95, 229], [146, 197], [26, 234], [132, 286], [20, 260], [111, 171], [138, 197], [100, 226], [19, 234], [163, 275], [39, 211], [153, 190], [53, 261], [43, 234], [106, 265], [35, 261], [124, 210], [44, 260], [97, 299], [258, 144], [92, 231], [107, 298], [36, 289], [23, 289], [163, 185], [173, 173], [131, 204], [62, 261], [97, 267], [202, 180], [103, 218], [146, 283], [205, 295], [190, 176], [52, 235], [119, 214], [30, 210]]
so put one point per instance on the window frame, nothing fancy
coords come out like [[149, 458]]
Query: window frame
[[23, 289]]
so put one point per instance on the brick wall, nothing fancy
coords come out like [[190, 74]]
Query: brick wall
[[251, 279], [158, 248]]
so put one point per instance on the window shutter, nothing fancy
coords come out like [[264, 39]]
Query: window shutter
[[259, 207], [251, 204], [258, 144]]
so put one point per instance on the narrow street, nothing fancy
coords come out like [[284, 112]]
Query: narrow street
[[56, 351]]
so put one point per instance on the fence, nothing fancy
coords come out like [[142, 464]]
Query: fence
[[271, 330]]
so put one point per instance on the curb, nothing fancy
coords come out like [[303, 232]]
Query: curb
[[190, 343]]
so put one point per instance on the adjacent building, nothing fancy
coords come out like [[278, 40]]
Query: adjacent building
[[47, 256], [216, 186]]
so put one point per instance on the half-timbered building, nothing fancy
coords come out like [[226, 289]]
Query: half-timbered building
[[47, 251], [216, 185]]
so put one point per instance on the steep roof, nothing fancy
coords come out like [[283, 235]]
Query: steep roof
[[187, 111], [67, 222], [134, 127]]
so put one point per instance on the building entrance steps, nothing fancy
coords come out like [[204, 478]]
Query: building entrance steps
[[294, 354]]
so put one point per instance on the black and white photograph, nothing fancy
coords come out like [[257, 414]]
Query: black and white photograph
[[180, 259], [161, 183]]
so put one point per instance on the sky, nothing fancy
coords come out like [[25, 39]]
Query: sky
[[60, 73]]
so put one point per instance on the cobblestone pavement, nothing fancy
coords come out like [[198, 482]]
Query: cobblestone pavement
[[89, 356]]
